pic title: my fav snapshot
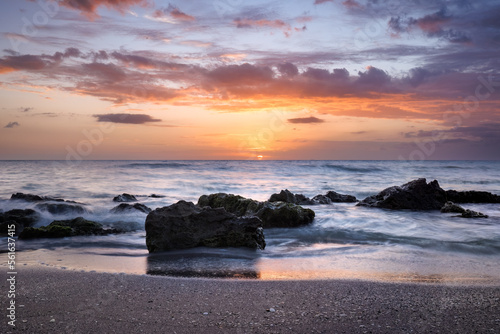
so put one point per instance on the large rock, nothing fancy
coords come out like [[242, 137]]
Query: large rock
[[185, 225], [125, 198], [62, 208], [472, 196], [19, 218], [272, 214], [414, 195], [66, 228], [124, 207]]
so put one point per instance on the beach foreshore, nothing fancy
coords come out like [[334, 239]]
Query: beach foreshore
[[52, 300]]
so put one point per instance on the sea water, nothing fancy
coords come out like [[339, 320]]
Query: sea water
[[344, 241]]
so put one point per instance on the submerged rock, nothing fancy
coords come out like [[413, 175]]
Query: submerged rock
[[185, 225], [452, 207], [124, 207], [414, 195], [62, 208], [66, 228], [473, 214], [272, 214], [156, 196], [125, 198], [20, 218], [472, 196]]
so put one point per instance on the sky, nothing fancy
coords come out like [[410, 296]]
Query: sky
[[250, 80]]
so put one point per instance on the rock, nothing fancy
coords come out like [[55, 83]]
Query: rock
[[452, 207], [27, 197], [472, 196], [414, 195], [185, 225], [340, 198], [156, 196], [288, 197], [272, 214], [473, 214], [62, 208], [125, 198], [20, 218], [124, 207], [331, 196], [36, 198], [321, 199], [66, 228]]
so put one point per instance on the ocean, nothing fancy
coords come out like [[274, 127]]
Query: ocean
[[344, 241]]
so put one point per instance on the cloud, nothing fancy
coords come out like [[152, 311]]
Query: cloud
[[89, 8], [126, 118], [171, 14], [351, 4], [305, 120], [246, 23], [12, 125], [438, 24]]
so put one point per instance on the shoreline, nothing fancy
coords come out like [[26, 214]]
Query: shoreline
[[57, 300]]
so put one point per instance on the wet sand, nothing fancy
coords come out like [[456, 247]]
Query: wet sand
[[63, 301]]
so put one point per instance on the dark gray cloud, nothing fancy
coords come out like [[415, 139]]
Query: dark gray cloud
[[12, 125], [126, 118], [305, 120]]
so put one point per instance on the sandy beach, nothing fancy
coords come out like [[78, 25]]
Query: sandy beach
[[63, 301]]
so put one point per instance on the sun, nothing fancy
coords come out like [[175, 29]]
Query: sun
[[259, 157]]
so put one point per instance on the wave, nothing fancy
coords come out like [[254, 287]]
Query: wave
[[157, 165], [344, 168], [362, 237]]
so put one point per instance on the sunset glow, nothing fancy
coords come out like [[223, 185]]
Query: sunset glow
[[144, 79]]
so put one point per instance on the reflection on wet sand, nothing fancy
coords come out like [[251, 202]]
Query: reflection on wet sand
[[204, 262]]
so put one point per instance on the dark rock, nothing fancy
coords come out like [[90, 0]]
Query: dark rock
[[331, 196], [20, 218], [36, 198], [414, 195], [272, 214], [185, 225], [340, 198], [65, 228], [473, 214], [125, 198], [27, 197], [288, 197], [452, 207], [156, 196], [62, 208], [472, 196], [321, 199], [129, 207]]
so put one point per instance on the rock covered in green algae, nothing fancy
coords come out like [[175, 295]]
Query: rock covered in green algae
[[65, 228], [18, 217], [272, 214]]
